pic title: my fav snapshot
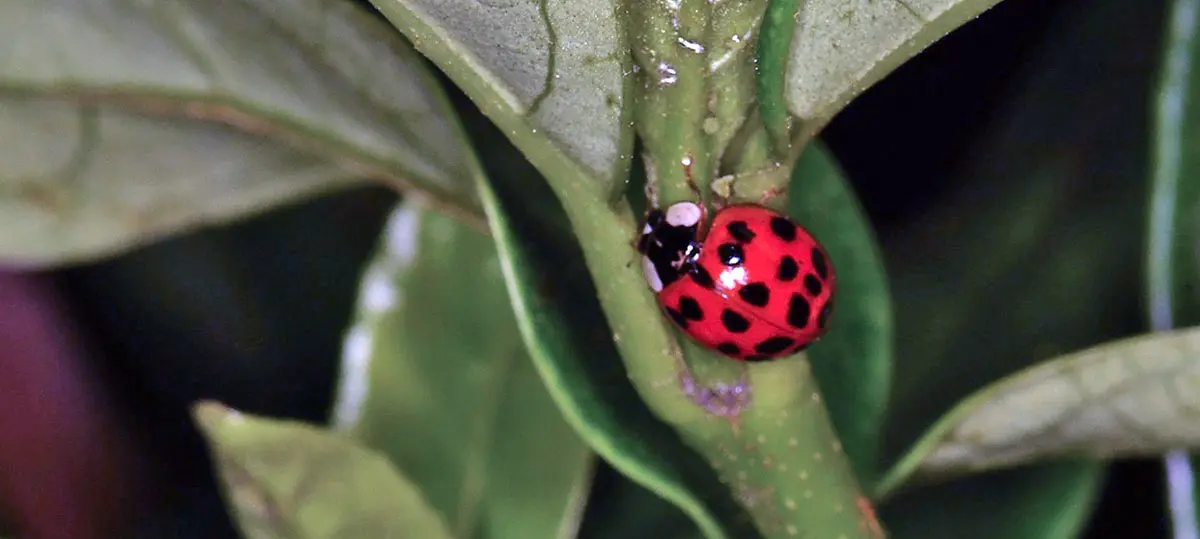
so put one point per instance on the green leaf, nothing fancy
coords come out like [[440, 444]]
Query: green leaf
[[1171, 263], [1049, 501], [853, 361], [841, 48], [457, 413], [1131, 397], [551, 74], [290, 480], [125, 122]]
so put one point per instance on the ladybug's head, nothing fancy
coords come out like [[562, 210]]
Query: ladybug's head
[[669, 242]]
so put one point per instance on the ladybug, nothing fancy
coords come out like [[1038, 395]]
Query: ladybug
[[753, 285]]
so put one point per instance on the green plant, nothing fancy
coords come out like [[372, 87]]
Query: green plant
[[504, 345]]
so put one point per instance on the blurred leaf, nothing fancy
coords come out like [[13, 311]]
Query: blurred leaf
[[206, 315], [290, 480], [572, 346], [435, 375], [840, 49], [1172, 263], [1127, 398], [853, 361], [126, 121], [1035, 252], [1049, 501], [550, 74], [1032, 256]]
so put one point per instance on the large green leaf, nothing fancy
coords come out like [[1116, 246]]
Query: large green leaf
[[290, 480], [840, 48], [853, 361], [1132, 397], [1172, 264], [435, 375], [124, 121], [551, 74]]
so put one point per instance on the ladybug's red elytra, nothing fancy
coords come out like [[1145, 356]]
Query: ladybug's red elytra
[[753, 284]]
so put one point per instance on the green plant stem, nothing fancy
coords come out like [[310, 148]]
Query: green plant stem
[[672, 103], [781, 457], [774, 46]]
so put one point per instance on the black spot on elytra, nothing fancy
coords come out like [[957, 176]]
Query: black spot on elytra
[[690, 308], [774, 345], [788, 269], [823, 318], [677, 317], [729, 348], [783, 228], [702, 277], [798, 311], [731, 254], [740, 231], [756, 294], [734, 322], [818, 262], [812, 284], [756, 358]]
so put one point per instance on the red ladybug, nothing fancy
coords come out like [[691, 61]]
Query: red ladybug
[[753, 285]]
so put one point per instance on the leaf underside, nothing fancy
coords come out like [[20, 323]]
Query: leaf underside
[[131, 120]]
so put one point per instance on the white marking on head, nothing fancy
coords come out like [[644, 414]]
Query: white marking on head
[[651, 274], [683, 214], [647, 229]]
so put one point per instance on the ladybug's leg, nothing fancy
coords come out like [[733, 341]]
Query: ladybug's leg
[[699, 196], [651, 194]]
